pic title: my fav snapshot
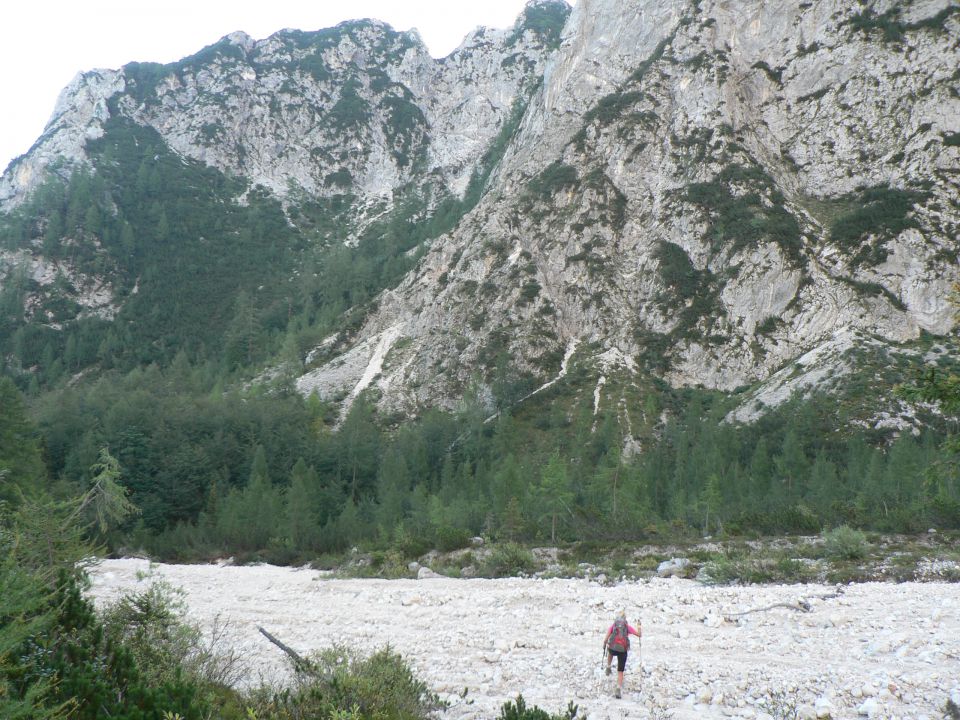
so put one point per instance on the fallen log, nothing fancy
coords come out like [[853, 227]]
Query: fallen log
[[299, 662], [801, 605]]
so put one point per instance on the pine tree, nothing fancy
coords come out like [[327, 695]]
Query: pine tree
[[507, 483], [553, 494], [262, 501], [393, 489], [106, 499], [824, 484], [792, 466], [302, 507], [243, 337], [248, 518], [55, 660], [21, 466], [710, 503], [870, 499], [512, 520]]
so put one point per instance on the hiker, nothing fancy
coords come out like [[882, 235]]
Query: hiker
[[617, 643]]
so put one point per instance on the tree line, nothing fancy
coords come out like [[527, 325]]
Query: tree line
[[268, 474]]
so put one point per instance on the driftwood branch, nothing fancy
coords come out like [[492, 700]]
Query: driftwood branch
[[299, 662], [801, 605]]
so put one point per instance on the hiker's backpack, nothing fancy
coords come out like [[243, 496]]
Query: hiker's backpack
[[620, 637]]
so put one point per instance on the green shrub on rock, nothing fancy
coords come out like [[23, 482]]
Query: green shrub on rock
[[845, 543], [518, 710], [508, 560]]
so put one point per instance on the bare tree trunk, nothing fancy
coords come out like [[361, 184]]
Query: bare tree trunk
[[298, 662]]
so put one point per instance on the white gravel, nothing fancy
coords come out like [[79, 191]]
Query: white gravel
[[879, 650]]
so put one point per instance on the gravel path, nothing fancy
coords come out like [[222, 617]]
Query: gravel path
[[877, 650]]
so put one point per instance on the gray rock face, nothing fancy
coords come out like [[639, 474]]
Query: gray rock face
[[94, 295], [357, 109], [709, 190], [398, 115], [673, 567], [78, 117], [712, 191], [358, 112]]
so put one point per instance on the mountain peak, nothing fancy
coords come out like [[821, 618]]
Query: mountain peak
[[240, 39]]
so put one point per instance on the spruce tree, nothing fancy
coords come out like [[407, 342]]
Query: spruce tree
[[302, 507], [553, 495], [21, 466]]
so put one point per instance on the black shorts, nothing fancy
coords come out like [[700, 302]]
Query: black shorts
[[621, 656]]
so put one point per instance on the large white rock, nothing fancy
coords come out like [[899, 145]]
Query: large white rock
[[672, 567], [824, 708], [869, 707]]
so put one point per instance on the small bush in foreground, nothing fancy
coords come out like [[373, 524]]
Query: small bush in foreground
[[340, 684], [96, 675], [952, 711], [519, 711], [153, 626], [845, 543]]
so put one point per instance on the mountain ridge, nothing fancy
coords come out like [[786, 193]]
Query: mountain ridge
[[322, 55], [704, 192], [326, 123]]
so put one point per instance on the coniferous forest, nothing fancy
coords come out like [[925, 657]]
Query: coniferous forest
[[264, 474]]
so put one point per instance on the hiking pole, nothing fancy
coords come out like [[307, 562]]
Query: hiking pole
[[640, 652]]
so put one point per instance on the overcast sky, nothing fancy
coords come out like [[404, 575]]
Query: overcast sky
[[44, 43]]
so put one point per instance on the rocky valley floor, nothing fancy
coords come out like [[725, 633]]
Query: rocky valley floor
[[875, 649]]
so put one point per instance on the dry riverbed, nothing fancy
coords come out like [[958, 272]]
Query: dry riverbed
[[879, 650]]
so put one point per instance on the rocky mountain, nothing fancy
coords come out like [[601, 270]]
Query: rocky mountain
[[357, 107], [708, 191], [713, 193], [344, 126]]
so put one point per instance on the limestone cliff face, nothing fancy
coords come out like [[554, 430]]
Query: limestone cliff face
[[358, 112], [357, 109], [708, 189], [78, 116], [711, 191]]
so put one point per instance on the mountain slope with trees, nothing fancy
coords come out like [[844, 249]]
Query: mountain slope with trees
[[643, 295]]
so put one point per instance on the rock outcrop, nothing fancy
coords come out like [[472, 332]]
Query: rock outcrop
[[358, 116], [358, 108], [710, 189]]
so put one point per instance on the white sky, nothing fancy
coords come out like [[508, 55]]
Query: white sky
[[44, 43]]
